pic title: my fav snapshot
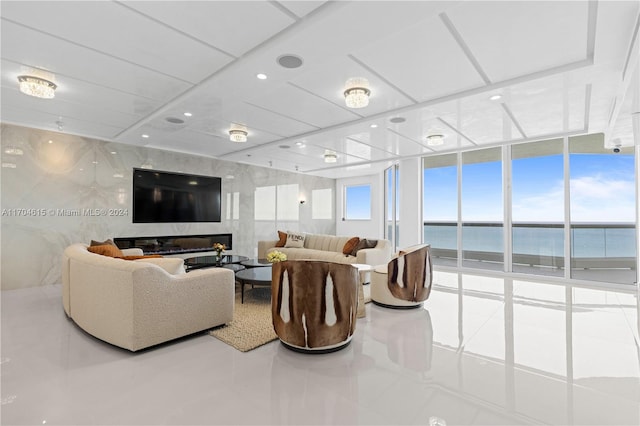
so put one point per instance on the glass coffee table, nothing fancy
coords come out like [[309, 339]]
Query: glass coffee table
[[212, 261], [253, 276], [255, 263]]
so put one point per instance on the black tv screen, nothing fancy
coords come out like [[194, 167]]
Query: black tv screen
[[162, 197]]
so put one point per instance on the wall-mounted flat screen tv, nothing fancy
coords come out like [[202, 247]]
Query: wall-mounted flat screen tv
[[162, 197]]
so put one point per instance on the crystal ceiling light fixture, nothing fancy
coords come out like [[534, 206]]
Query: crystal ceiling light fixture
[[36, 86], [330, 156], [435, 139], [238, 133], [356, 92]]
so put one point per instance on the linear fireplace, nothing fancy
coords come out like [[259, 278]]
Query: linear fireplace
[[175, 244]]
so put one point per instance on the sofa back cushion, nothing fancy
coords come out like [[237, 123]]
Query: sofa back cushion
[[172, 265], [325, 242]]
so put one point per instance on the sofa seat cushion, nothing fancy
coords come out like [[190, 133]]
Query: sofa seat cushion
[[306, 254]]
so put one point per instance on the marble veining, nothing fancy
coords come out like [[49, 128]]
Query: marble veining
[[60, 180]]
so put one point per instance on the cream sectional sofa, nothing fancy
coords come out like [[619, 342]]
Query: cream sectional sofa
[[137, 304], [329, 248]]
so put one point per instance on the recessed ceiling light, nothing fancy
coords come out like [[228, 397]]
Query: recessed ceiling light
[[145, 136], [300, 144], [50, 141], [261, 76], [290, 61], [398, 120], [373, 126], [495, 97], [113, 152], [187, 114]]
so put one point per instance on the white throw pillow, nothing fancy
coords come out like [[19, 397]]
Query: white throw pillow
[[172, 265], [294, 240]]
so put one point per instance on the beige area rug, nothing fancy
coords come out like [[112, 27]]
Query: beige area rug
[[251, 326]]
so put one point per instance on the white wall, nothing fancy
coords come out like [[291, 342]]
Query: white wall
[[411, 223], [75, 173]]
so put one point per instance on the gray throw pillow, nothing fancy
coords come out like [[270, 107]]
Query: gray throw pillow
[[364, 244]]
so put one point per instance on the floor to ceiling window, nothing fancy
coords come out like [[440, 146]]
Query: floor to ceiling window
[[597, 192], [603, 211], [440, 207], [537, 185], [482, 212]]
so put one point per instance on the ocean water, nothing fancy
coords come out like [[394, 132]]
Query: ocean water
[[600, 241]]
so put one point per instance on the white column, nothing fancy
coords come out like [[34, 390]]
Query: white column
[[410, 217]]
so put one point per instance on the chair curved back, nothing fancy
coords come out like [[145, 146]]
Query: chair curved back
[[314, 304], [410, 275]]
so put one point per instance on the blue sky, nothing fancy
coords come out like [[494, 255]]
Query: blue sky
[[358, 204], [602, 190]]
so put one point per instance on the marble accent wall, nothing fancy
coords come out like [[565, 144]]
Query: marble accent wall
[[59, 175]]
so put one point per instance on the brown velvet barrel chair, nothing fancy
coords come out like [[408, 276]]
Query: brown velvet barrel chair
[[405, 282], [314, 304]]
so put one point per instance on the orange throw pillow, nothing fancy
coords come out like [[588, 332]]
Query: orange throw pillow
[[350, 245], [106, 250], [146, 256], [283, 239]]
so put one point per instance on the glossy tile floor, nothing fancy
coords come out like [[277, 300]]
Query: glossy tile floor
[[482, 351]]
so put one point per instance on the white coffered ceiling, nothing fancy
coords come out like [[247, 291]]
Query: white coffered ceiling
[[124, 67]]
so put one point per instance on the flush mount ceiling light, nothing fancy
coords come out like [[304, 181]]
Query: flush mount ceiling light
[[356, 92], [435, 140], [36, 86], [238, 133], [330, 157]]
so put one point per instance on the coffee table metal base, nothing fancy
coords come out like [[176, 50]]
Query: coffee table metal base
[[253, 276]]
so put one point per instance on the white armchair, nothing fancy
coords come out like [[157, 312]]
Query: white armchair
[[405, 282]]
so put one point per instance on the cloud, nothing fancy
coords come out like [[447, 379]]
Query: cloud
[[594, 198]]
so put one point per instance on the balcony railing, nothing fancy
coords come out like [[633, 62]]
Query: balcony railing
[[593, 245]]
